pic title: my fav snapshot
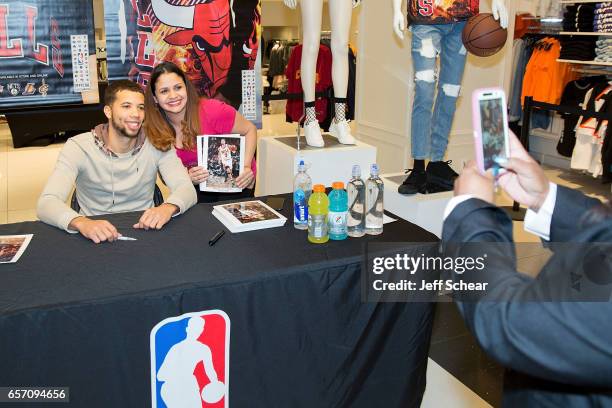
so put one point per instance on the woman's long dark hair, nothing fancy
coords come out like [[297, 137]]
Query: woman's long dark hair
[[160, 132]]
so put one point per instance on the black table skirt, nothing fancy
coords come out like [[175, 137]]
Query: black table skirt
[[77, 314]]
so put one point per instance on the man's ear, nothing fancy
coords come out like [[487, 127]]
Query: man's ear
[[108, 111]]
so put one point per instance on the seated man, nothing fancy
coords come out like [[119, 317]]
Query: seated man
[[554, 331], [115, 168]]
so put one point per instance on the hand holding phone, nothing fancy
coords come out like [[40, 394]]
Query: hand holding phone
[[490, 120]]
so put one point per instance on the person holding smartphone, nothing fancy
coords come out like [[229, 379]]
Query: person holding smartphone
[[559, 352]]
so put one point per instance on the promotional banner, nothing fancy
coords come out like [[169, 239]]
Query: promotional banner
[[47, 49], [216, 42]]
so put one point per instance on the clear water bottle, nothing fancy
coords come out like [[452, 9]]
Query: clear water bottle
[[302, 187], [374, 202], [356, 199]]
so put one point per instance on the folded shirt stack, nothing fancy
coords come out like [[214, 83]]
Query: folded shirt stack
[[579, 18], [603, 51], [580, 49], [602, 21]]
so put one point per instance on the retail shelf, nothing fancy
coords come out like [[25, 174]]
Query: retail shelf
[[585, 33], [603, 64]]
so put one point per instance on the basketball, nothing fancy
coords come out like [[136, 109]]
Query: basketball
[[233, 148], [483, 36]]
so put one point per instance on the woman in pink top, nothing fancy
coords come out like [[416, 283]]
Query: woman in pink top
[[175, 115]]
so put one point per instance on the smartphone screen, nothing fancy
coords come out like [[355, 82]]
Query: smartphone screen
[[493, 131]]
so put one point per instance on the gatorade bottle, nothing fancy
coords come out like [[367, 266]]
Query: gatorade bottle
[[338, 211], [318, 207]]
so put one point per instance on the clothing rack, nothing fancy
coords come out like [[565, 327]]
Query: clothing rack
[[516, 212]]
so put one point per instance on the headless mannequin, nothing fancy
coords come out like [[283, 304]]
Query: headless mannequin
[[435, 38], [340, 16]]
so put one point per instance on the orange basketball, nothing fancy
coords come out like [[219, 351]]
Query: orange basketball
[[483, 36], [233, 148]]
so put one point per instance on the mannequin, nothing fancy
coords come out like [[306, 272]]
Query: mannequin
[[340, 16], [436, 27]]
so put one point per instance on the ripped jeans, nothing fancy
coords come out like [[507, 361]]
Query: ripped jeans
[[430, 130]]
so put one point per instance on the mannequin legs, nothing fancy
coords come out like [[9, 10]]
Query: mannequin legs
[[340, 12], [340, 15], [312, 11], [430, 130]]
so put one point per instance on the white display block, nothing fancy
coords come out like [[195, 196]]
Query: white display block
[[424, 210], [278, 159]]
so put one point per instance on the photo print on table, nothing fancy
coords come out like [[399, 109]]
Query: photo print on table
[[250, 211], [13, 246]]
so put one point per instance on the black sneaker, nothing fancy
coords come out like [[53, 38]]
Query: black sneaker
[[441, 175], [414, 183]]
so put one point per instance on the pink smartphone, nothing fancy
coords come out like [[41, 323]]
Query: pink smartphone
[[490, 119]]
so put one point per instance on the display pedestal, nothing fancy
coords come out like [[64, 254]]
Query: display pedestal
[[424, 210], [278, 158]]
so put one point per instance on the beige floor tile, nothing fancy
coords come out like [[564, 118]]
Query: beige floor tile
[[579, 181], [28, 171], [533, 265], [5, 132], [455, 395], [21, 215]]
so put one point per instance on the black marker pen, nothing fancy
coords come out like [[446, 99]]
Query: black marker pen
[[216, 237]]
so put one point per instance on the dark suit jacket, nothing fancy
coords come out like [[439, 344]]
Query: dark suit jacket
[[559, 354]]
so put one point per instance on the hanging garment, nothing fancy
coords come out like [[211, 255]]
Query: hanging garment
[[545, 78], [590, 132], [574, 95], [295, 107]]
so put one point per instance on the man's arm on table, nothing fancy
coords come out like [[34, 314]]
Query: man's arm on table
[[182, 193], [52, 208]]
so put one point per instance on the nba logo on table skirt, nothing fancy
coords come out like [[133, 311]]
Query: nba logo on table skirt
[[190, 361]]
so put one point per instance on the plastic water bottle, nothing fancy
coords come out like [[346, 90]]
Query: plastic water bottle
[[374, 202], [318, 207], [356, 204], [302, 186], [338, 209]]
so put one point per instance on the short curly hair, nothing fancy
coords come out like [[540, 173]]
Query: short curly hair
[[117, 86]]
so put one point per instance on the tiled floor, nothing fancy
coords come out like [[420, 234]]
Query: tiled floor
[[23, 173]]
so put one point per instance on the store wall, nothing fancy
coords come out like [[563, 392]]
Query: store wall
[[385, 89]]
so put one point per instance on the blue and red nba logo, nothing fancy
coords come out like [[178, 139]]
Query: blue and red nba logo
[[190, 361]]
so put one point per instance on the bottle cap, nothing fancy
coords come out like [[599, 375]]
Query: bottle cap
[[338, 185], [356, 171], [318, 188], [301, 166], [374, 170]]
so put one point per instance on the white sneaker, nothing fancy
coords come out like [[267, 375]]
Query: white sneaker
[[314, 138], [342, 132]]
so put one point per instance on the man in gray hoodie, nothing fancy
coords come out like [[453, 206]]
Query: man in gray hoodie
[[114, 168]]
